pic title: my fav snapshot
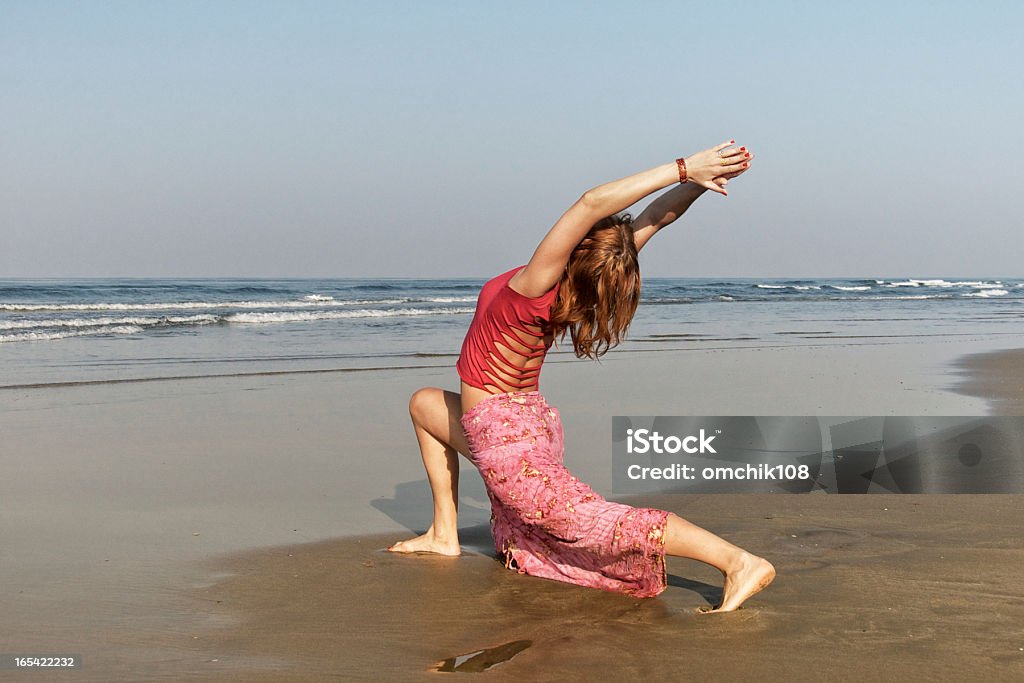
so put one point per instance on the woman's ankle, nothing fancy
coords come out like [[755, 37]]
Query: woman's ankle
[[444, 533]]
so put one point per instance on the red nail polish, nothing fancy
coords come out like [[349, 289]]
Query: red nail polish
[[746, 156], [743, 149], [745, 165]]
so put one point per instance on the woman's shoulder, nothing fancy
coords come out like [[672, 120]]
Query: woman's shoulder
[[498, 294], [544, 298], [500, 282]]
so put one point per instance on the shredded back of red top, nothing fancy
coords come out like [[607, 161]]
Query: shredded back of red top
[[505, 345]]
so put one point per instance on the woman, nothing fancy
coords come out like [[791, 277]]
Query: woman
[[583, 279]]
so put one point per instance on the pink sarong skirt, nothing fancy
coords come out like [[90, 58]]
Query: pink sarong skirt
[[545, 521]]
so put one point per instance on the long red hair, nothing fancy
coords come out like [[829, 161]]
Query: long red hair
[[600, 289]]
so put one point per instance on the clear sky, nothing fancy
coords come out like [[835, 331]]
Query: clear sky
[[442, 139]]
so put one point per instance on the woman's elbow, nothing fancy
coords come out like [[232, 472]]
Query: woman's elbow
[[590, 201]]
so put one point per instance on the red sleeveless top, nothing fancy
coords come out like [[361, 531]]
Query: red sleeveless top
[[508, 319]]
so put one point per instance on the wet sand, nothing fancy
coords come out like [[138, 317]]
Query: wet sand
[[869, 588], [233, 529], [997, 376]]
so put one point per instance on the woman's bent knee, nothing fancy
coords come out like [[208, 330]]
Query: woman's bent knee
[[421, 400]]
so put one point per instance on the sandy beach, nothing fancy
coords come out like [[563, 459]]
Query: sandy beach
[[233, 529], [237, 238]]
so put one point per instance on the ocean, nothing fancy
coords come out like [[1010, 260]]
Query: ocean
[[99, 330]]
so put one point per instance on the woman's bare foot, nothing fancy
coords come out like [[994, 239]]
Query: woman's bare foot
[[751, 575], [428, 543]]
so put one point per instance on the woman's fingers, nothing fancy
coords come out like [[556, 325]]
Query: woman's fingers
[[744, 165], [728, 153], [722, 146], [713, 186], [734, 156], [733, 171], [736, 167]]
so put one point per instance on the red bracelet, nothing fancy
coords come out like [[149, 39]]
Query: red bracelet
[[681, 163]]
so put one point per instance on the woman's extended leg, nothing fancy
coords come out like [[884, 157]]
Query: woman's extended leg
[[745, 574], [436, 416]]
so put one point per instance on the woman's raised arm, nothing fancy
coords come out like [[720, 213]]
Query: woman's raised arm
[[551, 256]]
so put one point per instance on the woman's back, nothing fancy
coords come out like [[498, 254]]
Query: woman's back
[[506, 342]]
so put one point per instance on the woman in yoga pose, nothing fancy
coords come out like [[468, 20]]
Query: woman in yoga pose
[[584, 279]]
